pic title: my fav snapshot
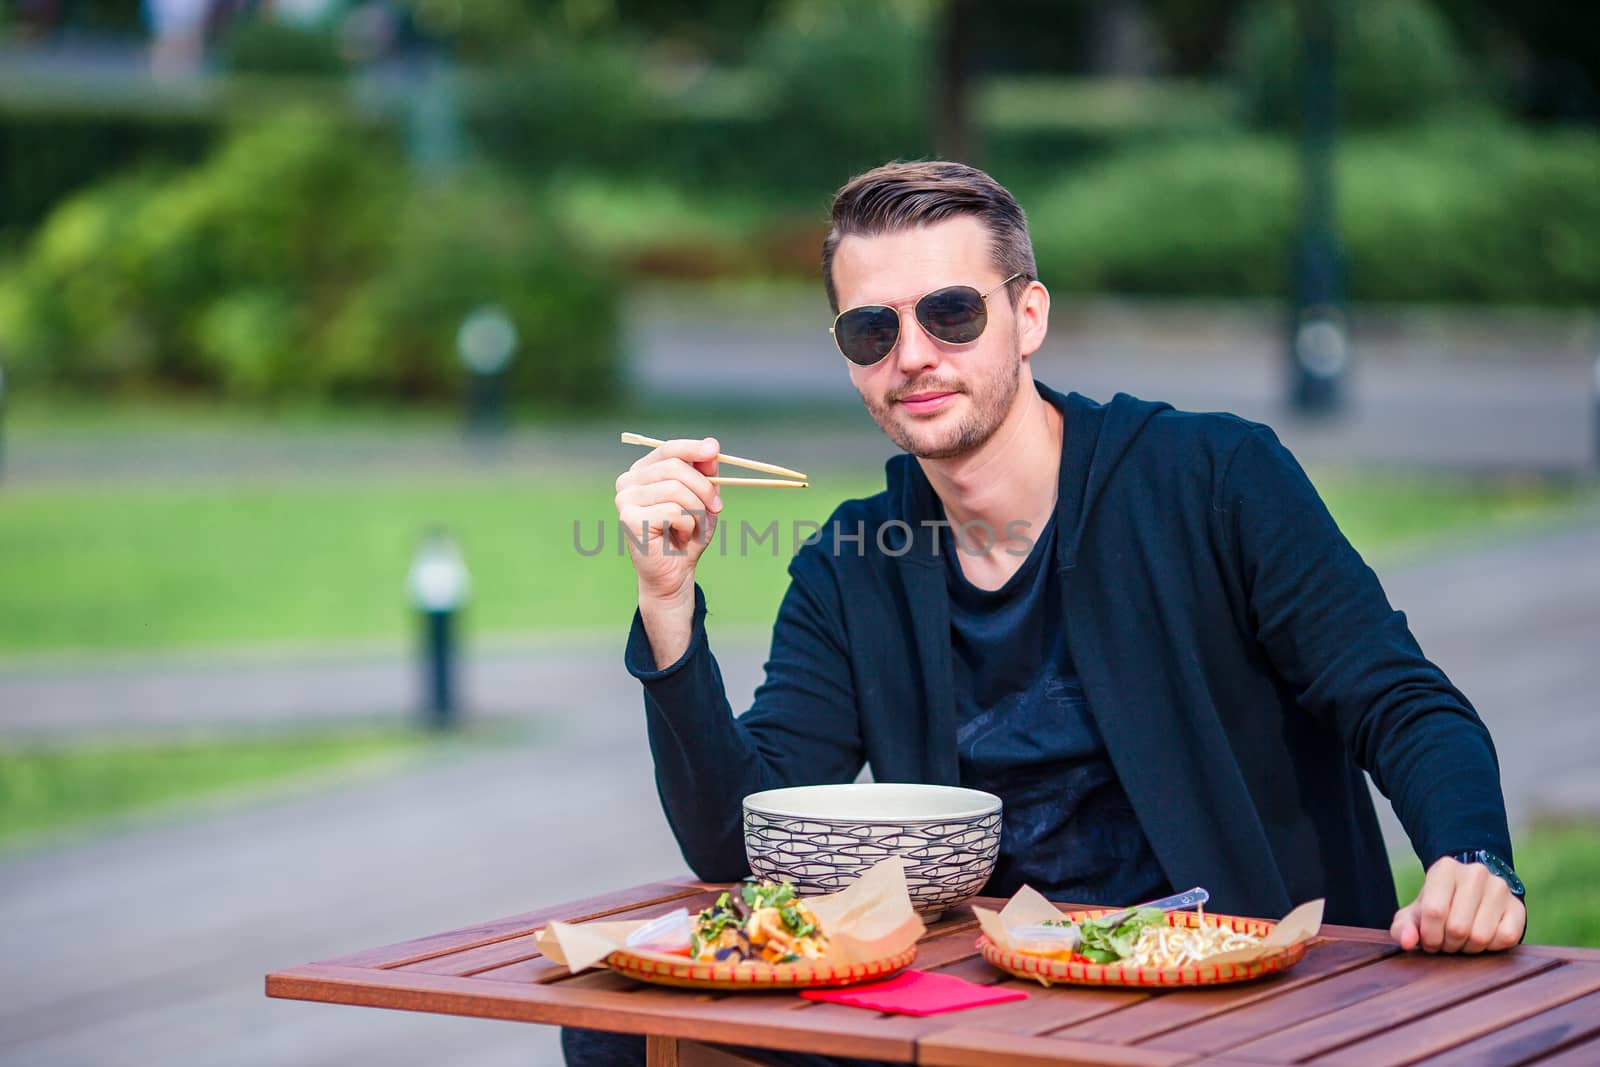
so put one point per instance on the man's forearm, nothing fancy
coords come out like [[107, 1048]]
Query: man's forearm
[[705, 763], [669, 624]]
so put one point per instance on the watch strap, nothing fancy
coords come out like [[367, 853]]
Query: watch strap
[[1497, 866]]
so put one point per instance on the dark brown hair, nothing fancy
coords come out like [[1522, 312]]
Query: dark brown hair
[[902, 196]]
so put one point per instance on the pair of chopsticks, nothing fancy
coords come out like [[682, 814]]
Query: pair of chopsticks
[[734, 461]]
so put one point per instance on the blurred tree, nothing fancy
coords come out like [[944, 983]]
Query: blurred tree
[[1547, 52], [850, 84], [1195, 32], [86, 16], [300, 260], [953, 136], [715, 30], [1398, 61], [267, 46], [718, 30]]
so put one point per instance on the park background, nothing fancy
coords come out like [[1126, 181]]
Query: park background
[[296, 295]]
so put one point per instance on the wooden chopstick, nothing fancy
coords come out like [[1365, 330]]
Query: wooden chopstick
[[769, 483], [732, 461]]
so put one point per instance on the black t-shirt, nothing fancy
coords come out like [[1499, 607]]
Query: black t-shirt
[[1025, 733]]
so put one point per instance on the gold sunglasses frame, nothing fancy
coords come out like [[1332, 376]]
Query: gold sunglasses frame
[[899, 315]]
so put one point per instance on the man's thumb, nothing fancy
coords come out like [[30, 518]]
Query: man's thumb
[[1405, 929]]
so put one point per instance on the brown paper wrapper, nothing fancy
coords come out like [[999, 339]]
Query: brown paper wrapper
[[1029, 906], [867, 920]]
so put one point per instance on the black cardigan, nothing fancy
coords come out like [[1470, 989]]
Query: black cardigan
[[1240, 660]]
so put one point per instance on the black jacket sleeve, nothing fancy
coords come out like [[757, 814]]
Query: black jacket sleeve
[[1322, 617], [801, 729]]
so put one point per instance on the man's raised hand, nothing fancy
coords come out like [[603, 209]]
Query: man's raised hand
[[668, 509]]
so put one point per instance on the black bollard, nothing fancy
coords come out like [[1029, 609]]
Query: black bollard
[[439, 657], [439, 584]]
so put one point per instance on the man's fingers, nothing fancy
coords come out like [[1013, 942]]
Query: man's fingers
[[1433, 904], [642, 526], [639, 523], [1471, 881], [676, 470], [709, 465], [1491, 911], [688, 449], [1404, 929], [658, 493], [1509, 932]]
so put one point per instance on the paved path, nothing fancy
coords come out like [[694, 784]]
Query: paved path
[[1517, 628], [1453, 389], [504, 680], [1457, 390], [1515, 625], [148, 945]]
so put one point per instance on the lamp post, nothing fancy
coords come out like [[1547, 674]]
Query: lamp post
[[486, 343], [438, 584], [1319, 349]]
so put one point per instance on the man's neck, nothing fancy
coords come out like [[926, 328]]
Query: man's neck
[[1013, 476]]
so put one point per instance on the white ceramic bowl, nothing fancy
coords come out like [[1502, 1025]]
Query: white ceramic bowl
[[822, 837]]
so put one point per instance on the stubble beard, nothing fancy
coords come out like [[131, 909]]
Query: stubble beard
[[988, 408]]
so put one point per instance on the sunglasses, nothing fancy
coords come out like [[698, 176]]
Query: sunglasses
[[955, 315]]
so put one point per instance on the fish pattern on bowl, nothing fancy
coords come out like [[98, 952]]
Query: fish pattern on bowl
[[948, 861]]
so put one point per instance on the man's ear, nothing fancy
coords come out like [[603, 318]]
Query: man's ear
[[1033, 318]]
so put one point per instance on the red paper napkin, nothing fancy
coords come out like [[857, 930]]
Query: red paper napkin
[[917, 993]]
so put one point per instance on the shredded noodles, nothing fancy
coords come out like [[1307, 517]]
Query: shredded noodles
[[1179, 946]]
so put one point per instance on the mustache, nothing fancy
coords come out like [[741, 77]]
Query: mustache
[[927, 385]]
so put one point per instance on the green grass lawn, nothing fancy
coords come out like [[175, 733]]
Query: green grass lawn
[[184, 565], [49, 788], [1560, 864]]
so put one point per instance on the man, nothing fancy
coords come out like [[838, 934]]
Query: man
[[1138, 626]]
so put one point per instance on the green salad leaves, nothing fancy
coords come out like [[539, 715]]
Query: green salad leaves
[[1103, 943], [735, 908]]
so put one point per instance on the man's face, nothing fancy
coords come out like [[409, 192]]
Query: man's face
[[934, 400]]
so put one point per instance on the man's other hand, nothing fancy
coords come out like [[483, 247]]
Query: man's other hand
[[1463, 907]]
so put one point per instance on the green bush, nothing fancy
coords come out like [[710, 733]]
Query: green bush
[[1483, 214], [829, 88], [269, 46], [1190, 217], [577, 106], [459, 248], [849, 84], [1398, 62], [46, 156], [299, 261]]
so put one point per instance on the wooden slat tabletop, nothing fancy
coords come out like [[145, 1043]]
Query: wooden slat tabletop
[[1354, 1000]]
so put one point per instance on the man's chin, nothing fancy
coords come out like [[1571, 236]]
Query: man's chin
[[940, 435], [932, 439]]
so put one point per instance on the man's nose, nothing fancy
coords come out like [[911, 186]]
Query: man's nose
[[916, 351]]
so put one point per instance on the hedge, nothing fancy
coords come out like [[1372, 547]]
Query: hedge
[[1459, 213], [300, 260]]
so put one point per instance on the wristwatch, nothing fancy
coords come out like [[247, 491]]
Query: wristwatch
[[1497, 866]]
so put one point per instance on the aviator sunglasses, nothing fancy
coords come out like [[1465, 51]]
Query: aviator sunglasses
[[955, 315]]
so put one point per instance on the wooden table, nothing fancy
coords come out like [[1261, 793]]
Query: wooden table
[[1354, 1001]]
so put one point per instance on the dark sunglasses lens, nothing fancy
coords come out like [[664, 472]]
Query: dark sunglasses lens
[[867, 334], [956, 314]]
